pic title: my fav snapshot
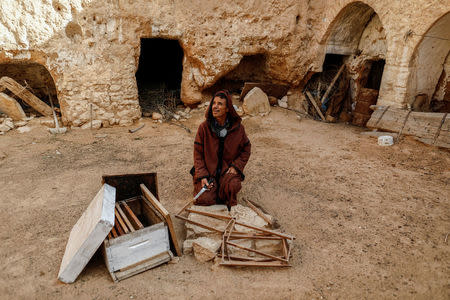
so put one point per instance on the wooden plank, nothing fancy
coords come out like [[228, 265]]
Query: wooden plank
[[423, 124], [24, 94], [376, 116], [142, 266], [257, 252], [132, 217], [330, 87], [121, 222], [11, 107], [124, 217], [259, 212], [443, 139], [254, 264], [152, 199], [313, 102], [245, 258], [186, 206], [88, 234], [254, 237]]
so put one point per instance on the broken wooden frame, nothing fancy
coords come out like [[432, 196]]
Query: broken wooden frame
[[229, 234]]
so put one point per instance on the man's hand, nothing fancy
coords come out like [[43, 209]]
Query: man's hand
[[231, 170], [205, 182]]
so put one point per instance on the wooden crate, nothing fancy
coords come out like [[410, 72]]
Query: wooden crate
[[148, 245]]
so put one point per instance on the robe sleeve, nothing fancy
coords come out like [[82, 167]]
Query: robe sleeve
[[245, 150], [199, 155]]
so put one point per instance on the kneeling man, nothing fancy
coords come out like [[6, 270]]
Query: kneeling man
[[221, 151]]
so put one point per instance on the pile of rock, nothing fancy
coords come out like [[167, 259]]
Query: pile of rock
[[7, 124], [205, 243]]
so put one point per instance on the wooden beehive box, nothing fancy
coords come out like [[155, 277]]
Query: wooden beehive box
[[146, 244]]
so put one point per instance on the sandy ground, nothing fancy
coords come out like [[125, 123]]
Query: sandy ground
[[369, 221]]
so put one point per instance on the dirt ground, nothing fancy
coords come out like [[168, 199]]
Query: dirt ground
[[369, 221]]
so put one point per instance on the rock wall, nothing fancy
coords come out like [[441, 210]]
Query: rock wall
[[91, 48]]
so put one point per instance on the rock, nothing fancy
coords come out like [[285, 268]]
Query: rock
[[283, 102], [156, 116], [273, 100], [23, 129], [147, 114], [8, 122], [247, 215], [176, 117], [187, 247], [205, 249], [47, 121], [4, 128], [20, 123], [11, 107], [211, 222], [96, 124], [125, 122], [256, 102], [187, 110]]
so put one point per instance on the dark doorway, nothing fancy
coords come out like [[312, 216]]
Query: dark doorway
[[159, 74], [375, 75]]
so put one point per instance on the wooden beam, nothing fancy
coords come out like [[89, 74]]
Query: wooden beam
[[24, 94], [332, 83], [188, 204], [254, 237], [245, 258], [313, 102], [118, 228], [163, 211], [124, 217], [132, 216], [114, 232]]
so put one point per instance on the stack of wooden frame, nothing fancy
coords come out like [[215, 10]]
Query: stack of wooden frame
[[230, 236]]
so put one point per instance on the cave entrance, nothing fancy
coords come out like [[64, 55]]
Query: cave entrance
[[33, 77], [159, 74]]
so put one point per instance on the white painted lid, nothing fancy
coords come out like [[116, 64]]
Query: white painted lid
[[88, 234]]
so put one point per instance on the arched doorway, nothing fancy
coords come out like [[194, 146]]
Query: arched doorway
[[429, 80], [353, 64], [32, 77]]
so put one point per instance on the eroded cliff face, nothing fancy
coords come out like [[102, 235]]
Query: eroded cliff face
[[91, 48]]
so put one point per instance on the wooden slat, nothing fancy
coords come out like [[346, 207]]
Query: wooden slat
[[114, 232], [259, 212], [121, 222], [163, 211], [118, 228], [199, 224], [257, 252], [254, 237], [132, 217], [254, 264], [24, 94], [246, 258], [286, 236], [124, 217]]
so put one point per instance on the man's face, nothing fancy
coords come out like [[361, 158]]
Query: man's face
[[219, 108]]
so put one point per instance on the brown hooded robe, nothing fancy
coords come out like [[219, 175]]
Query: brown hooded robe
[[236, 152]]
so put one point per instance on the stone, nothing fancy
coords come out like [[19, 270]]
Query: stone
[[256, 102], [47, 121], [4, 128], [125, 122], [205, 249], [273, 100], [187, 246], [176, 117], [156, 116], [24, 129], [11, 107], [96, 124], [283, 102], [211, 222], [187, 110], [20, 123], [8, 122]]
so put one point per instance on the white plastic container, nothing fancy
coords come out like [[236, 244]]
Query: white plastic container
[[385, 140]]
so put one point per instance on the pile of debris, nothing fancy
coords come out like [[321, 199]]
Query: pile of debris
[[243, 236]]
